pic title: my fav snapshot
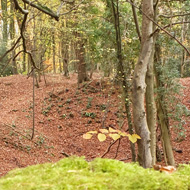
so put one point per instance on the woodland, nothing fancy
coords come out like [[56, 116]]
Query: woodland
[[102, 78]]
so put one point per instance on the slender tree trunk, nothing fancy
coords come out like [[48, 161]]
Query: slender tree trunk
[[12, 36], [4, 29], [162, 113], [150, 100], [184, 53], [60, 67], [151, 108], [53, 43], [139, 87], [5, 22], [121, 73], [24, 63]]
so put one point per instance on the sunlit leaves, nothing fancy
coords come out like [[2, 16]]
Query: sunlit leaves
[[87, 136], [133, 138], [104, 131], [123, 134], [115, 134], [101, 137], [111, 130]]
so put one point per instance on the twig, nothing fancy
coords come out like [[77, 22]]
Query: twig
[[108, 149], [20, 133], [124, 159], [65, 154], [12, 48], [175, 23], [172, 16], [22, 29], [117, 148], [73, 8], [6, 64]]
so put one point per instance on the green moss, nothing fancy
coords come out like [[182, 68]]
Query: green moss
[[101, 174]]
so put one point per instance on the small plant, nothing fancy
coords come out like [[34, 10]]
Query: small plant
[[89, 104], [68, 101], [89, 114], [12, 133], [64, 116], [103, 107], [14, 110], [41, 140], [113, 133], [45, 112], [77, 92], [28, 148], [13, 125], [49, 107], [48, 147]]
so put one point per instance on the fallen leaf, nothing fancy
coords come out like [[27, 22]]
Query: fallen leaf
[[87, 136], [124, 134], [92, 132], [168, 169], [111, 130], [101, 137], [103, 130], [114, 136]]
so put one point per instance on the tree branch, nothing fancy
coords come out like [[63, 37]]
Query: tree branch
[[172, 16], [136, 21], [25, 13], [12, 48], [175, 23], [108, 149], [73, 8], [43, 9], [160, 27]]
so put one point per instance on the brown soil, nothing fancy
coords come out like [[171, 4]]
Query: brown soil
[[63, 113]]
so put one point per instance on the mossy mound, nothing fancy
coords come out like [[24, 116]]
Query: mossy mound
[[101, 174]]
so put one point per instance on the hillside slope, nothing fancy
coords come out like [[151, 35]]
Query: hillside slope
[[63, 113]]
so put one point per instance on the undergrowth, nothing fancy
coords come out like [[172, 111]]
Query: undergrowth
[[101, 174]]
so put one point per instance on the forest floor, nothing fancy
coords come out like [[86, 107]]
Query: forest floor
[[63, 113]]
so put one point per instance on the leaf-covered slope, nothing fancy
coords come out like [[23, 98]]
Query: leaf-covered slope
[[76, 173]]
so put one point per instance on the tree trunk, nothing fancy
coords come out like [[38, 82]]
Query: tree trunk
[[60, 58], [80, 54], [184, 53], [4, 30], [53, 43], [65, 57], [150, 100], [121, 73], [162, 113], [151, 108], [5, 23], [12, 36], [139, 87]]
